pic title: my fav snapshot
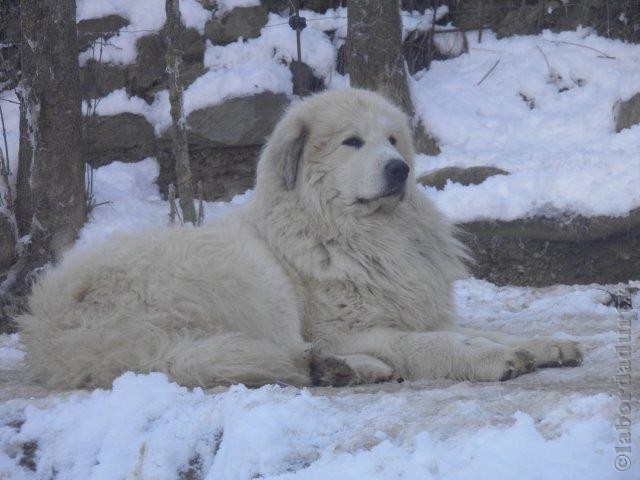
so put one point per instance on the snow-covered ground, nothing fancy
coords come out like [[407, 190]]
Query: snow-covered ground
[[555, 423], [564, 156]]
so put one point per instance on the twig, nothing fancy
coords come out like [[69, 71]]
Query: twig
[[173, 209], [553, 75], [488, 73], [200, 219], [602, 54]]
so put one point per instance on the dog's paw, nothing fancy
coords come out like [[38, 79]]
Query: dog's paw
[[552, 353], [368, 369], [517, 363], [330, 372]]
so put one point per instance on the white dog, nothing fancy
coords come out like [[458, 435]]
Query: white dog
[[338, 271]]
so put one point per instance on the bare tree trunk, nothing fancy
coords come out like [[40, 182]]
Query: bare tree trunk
[[174, 30], [24, 210], [374, 42], [50, 87]]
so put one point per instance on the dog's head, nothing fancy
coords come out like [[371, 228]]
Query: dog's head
[[350, 150]]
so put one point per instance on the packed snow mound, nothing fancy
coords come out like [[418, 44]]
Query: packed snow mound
[[147, 427], [555, 423]]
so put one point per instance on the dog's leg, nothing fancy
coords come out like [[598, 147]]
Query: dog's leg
[[547, 352], [343, 370], [442, 354]]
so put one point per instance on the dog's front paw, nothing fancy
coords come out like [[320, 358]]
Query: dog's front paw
[[516, 364], [553, 353], [330, 372]]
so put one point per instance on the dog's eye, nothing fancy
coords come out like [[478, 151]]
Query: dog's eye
[[392, 140], [353, 142]]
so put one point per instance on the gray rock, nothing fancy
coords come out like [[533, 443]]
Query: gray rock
[[627, 113], [98, 80], [526, 20], [463, 176], [208, 4], [304, 81], [7, 244], [148, 75], [224, 172], [237, 122], [94, 28], [245, 22], [542, 251], [126, 137]]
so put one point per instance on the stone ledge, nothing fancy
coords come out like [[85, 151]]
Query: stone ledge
[[543, 251]]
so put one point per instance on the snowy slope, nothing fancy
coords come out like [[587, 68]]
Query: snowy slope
[[545, 113], [563, 153], [556, 423]]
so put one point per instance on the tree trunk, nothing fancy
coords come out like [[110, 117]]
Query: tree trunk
[[174, 30], [50, 87], [24, 211], [374, 42]]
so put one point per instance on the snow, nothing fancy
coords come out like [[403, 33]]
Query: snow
[[226, 5], [11, 355], [145, 18], [556, 423], [564, 157], [564, 154], [128, 199], [11, 113]]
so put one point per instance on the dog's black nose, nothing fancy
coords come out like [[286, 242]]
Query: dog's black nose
[[396, 173]]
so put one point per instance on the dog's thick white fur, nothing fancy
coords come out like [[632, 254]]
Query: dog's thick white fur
[[327, 276]]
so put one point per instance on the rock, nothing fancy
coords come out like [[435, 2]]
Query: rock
[[148, 75], [542, 251], [98, 80], [627, 113], [304, 81], [320, 6], [126, 137], [224, 172], [208, 4], [463, 176], [527, 20], [342, 62], [7, 243], [193, 45], [245, 22], [94, 28], [415, 48], [237, 122]]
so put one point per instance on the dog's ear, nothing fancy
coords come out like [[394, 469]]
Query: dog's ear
[[281, 158], [291, 150]]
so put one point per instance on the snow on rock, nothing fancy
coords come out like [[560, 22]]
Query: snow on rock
[[563, 152], [226, 5], [145, 18], [246, 68]]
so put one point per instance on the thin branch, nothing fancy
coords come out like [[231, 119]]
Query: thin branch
[[602, 54], [489, 72]]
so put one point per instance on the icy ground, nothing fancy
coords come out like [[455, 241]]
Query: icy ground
[[555, 423]]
